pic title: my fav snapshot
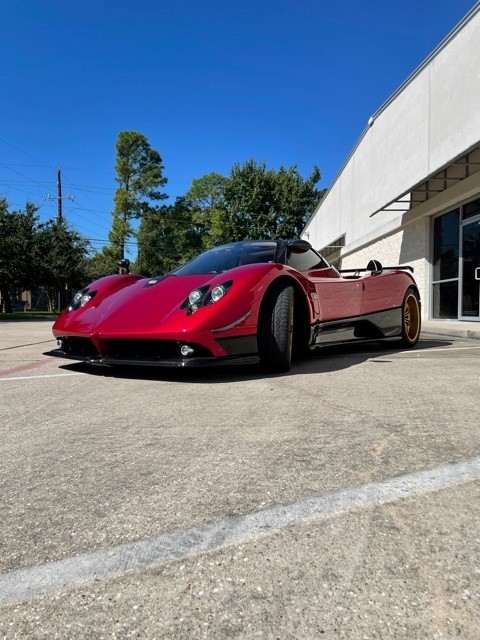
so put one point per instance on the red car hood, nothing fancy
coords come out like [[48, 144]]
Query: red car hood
[[146, 306]]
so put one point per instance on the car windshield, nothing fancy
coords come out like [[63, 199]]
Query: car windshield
[[229, 256]]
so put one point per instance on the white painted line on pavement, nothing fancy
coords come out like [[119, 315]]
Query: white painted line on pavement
[[49, 375], [426, 350], [29, 344], [87, 567]]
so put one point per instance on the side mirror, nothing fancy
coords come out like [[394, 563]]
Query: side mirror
[[375, 267], [123, 265], [299, 246]]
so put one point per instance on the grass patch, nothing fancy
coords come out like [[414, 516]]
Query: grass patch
[[28, 315]]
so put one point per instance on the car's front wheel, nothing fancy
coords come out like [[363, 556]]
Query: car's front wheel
[[275, 330], [411, 318]]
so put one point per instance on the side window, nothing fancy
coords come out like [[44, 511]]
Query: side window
[[306, 261]]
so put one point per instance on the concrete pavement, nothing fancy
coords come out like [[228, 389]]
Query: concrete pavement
[[95, 460]]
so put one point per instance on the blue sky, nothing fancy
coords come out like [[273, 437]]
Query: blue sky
[[291, 82]]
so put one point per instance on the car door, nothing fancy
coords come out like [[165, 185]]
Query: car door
[[337, 297], [380, 292]]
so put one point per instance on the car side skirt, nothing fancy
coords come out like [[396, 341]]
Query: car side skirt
[[375, 326]]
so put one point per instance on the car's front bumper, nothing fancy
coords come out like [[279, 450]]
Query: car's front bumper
[[212, 361]]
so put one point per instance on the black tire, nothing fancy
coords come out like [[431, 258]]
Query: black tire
[[411, 318], [275, 331]]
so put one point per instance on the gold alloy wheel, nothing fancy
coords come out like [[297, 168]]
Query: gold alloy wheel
[[411, 317]]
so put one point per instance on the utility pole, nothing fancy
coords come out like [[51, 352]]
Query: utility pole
[[59, 196], [59, 199]]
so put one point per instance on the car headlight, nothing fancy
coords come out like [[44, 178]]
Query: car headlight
[[81, 298], [217, 292], [195, 296], [202, 297]]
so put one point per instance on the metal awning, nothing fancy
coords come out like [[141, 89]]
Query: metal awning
[[456, 171]]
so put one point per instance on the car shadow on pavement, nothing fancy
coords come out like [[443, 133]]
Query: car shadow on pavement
[[324, 360]]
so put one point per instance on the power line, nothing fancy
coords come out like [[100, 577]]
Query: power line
[[88, 220], [45, 184], [93, 187], [88, 170], [42, 164], [88, 197], [8, 182], [41, 184], [23, 191], [25, 153], [40, 205], [132, 242]]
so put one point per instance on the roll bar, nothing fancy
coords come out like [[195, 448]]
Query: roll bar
[[403, 268]]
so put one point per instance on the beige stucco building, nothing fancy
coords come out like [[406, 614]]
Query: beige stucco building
[[409, 192]]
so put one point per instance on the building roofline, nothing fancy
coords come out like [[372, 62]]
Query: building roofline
[[415, 73]]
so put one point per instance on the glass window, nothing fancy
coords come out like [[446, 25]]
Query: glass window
[[333, 248], [229, 256], [445, 300], [471, 209], [446, 246], [306, 261]]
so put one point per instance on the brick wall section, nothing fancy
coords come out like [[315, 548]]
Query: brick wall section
[[409, 246]]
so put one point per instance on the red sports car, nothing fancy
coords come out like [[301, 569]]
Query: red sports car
[[244, 302]]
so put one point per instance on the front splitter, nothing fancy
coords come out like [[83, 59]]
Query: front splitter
[[167, 362]]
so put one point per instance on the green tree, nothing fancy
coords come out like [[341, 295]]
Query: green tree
[[63, 254], [102, 263], [18, 250], [295, 199], [168, 236], [207, 200], [139, 174], [264, 203]]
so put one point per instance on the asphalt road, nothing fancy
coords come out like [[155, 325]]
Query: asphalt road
[[339, 500]]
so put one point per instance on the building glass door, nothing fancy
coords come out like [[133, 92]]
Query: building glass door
[[446, 233], [470, 269]]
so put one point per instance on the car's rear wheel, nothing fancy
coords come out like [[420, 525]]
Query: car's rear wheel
[[275, 330], [411, 318]]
